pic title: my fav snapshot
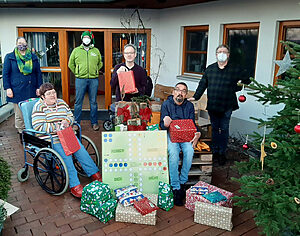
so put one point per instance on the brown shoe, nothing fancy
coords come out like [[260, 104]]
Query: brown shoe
[[95, 127]]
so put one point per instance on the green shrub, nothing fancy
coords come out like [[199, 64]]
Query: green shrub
[[5, 175]]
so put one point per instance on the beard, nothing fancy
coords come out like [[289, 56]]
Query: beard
[[179, 98]]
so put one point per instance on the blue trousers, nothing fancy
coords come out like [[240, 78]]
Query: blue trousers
[[220, 130], [84, 159], [188, 153], [81, 86]]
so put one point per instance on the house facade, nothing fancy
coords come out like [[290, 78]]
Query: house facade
[[174, 44]]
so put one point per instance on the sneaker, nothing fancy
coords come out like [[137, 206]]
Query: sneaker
[[77, 191], [95, 127], [178, 200]]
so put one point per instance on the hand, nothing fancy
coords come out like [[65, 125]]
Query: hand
[[9, 93], [136, 91], [64, 124], [167, 121], [37, 92], [122, 69], [191, 99], [194, 141]]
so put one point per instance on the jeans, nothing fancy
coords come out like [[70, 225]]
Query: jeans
[[220, 130], [188, 153], [91, 85], [84, 159]]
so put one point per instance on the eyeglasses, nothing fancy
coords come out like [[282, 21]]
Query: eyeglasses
[[180, 91], [131, 53], [48, 93]]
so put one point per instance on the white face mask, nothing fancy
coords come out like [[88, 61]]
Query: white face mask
[[222, 57], [86, 41]]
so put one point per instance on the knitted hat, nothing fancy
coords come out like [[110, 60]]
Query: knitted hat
[[88, 33]]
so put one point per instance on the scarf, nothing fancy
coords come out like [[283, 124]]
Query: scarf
[[25, 68]]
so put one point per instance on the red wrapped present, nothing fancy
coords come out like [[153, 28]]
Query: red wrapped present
[[182, 131], [126, 80], [191, 197], [145, 206], [124, 112], [145, 114]]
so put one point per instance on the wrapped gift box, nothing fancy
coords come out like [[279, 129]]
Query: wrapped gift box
[[155, 119], [131, 215], [96, 192], [182, 131], [213, 215], [126, 80], [165, 196], [192, 198], [103, 211]]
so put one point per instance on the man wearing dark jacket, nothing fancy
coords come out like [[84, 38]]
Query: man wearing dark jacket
[[176, 107], [221, 81]]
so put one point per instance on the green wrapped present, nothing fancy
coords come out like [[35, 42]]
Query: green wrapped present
[[96, 192], [153, 127], [104, 212], [165, 196]]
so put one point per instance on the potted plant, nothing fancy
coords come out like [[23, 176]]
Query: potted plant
[[5, 185]]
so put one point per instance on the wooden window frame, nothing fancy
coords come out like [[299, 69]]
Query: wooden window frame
[[241, 26], [283, 25], [185, 52]]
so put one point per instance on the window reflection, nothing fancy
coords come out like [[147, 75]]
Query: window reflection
[[45, 45], [243, 47]]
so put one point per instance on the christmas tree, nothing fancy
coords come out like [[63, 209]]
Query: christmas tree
[[270, 185]]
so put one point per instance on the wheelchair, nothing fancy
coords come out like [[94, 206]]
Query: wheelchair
[[48, 166]]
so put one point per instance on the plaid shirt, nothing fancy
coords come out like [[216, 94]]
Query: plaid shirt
[[221, 85]]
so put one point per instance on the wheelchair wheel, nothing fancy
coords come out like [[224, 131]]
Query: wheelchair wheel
[[108, 125], [23, 174], [92, 151], [50, 171]]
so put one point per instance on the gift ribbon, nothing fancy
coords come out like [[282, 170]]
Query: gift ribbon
[[145, 113], [125, 112]]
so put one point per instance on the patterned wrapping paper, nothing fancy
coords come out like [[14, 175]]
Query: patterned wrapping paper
[[212, 215], [182, 131], [191, 198], [165, 196], [104, 212], [127, 195], [97, 201], [152, 127], [131, 215]]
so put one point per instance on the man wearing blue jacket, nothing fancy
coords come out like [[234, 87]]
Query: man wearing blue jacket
[[176, 107]]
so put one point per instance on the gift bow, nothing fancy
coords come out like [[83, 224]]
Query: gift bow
[[125, 112], [145, 113]]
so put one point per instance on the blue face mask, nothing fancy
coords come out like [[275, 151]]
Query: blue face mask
[[22, 47]]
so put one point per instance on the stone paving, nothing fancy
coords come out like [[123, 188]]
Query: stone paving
[[43, 214]]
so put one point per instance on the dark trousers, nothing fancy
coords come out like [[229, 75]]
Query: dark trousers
[[220, 130]]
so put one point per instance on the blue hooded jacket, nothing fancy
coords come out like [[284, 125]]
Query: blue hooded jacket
[[23, 86], [176, 112]]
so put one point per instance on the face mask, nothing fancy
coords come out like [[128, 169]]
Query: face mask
[[222, 57], [22, 47], [86, 41]]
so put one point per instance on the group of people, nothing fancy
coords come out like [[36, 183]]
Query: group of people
[[23, 79]]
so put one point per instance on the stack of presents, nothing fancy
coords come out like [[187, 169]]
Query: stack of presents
[[211, 205]]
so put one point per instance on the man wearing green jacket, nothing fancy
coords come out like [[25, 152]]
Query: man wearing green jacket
[[85, 62]]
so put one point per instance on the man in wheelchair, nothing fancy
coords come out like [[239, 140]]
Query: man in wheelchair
[[49, 115]]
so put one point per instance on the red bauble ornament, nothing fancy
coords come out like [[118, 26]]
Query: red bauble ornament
[[297, 128], [242, 98], [245, 146]]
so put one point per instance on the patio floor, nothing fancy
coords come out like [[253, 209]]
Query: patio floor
[[44, 214]]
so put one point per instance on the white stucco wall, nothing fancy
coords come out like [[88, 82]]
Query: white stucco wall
[[167, 26], [215, 14]]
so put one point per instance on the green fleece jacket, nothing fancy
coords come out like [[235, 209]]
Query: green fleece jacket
[[85, 64]]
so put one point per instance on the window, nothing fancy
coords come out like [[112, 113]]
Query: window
[[288, 31], [194, 49], [242, 40]]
